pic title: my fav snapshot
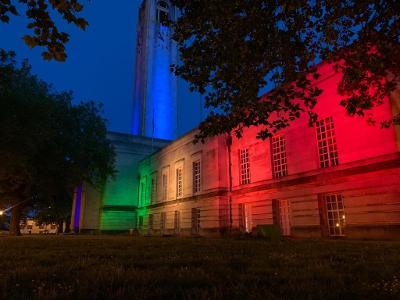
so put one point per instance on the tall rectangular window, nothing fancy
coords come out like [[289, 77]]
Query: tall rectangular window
[[244, 166], [164, 187], [195, 221], [327, 149], [163, 221], [140, 222], [154, 189], [179, 182], [335, 214], [142, 194], [279, 159], [151, 222], [196, 176], [177, 221], [281, 215], [244, 217]]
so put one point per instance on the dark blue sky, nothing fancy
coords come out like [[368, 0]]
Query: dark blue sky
[[100, 64]]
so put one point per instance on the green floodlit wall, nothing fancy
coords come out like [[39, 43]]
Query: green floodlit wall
[[118, 210], [120, 195], [146, 168]]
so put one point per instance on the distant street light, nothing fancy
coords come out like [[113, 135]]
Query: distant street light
[[1, 212]]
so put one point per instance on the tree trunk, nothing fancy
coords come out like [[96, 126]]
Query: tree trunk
[[15, 220]]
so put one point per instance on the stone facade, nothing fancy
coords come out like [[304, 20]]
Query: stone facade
[[113, 208], [338, 178]]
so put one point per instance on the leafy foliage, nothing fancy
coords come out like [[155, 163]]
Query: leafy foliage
[[48, 144], [233, 50], [45, 32]]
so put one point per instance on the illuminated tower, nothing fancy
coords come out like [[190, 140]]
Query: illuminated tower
[[155, 97]]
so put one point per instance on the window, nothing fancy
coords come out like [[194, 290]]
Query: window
[[244, 166], [179, 182], [164, 187], [195, 221], [154, 189], [196, 176], [163, 221], [281, 215], [151, 222], [177, 221], [279, 160], [327, 149], [245, 217], [140, 221], [162, 12], [142, 193], [335, 214]]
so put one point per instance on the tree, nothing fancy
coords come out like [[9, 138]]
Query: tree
[[232, 50], [41, 16], [48, 144]]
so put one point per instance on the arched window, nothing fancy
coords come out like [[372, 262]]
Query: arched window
[[162, 12]]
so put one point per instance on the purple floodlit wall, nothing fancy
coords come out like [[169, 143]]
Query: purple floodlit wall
[[78, 202]]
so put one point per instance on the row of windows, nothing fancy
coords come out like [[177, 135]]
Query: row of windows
[[327, 151], [334, 214], [179, 179], [195, 221]]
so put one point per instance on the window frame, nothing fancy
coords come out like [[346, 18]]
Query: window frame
[[244, 166], [279, 156], [196, 176], [150, 222], [335, 214], [163, 221], [165, 184], [328, 155], [177, 221], [153, 188], [162, 12], [195, 220], [142, 191]]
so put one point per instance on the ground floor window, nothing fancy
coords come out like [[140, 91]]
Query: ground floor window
[[177, 221], [151, 222], [140, 222], [281, 215], [336, 217], [163, 221], [195, 220], [245, 217]]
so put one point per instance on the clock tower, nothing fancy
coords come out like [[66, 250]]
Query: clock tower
[[155, 96]]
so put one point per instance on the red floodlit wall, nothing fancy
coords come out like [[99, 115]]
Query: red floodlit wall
[[365, 179], [356, 139]]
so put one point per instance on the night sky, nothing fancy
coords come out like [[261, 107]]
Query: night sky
[[100, 63]]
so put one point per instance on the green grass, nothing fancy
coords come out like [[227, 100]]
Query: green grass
[[122, 267]]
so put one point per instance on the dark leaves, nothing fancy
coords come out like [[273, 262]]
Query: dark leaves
[[45, 31], [230, 50], [48, 144]]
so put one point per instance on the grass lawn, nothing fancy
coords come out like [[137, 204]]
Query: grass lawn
[[120, 267]]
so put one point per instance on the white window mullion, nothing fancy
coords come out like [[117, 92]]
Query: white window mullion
[[244, 166]]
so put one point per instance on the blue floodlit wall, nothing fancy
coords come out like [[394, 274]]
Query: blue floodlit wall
[[155, 102], [161, 101]]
